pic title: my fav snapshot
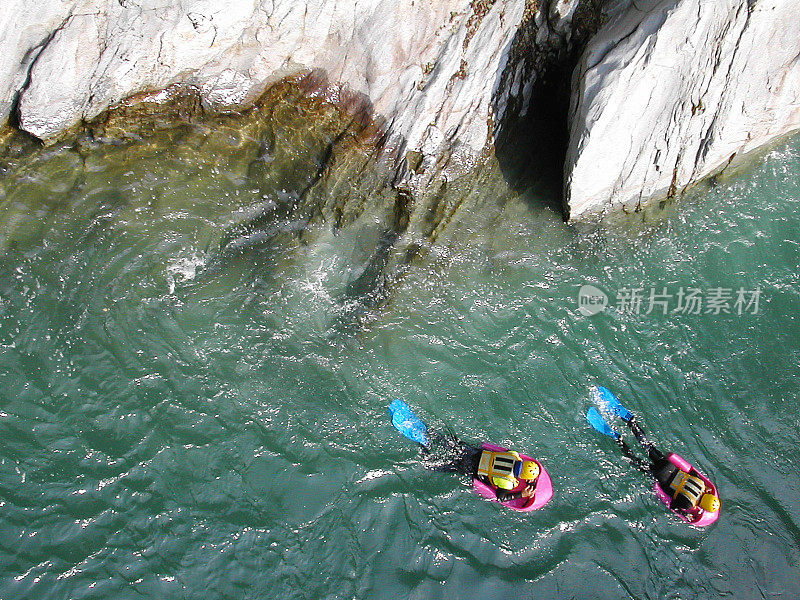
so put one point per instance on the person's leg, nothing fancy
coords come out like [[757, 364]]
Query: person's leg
[[470, 456], [637, 431], [653, 453], [635, 460], [448, 454]]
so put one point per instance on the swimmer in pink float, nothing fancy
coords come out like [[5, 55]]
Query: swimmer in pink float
[[515, 480], [684, 489]]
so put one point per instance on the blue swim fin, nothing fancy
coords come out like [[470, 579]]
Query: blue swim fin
[[597, 421], [407, 423], [607, 401]]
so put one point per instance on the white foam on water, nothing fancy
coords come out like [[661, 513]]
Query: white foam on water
[[316, 283], [184, 269]]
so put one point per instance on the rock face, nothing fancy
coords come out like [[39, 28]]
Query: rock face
[[666, 93], [670, 92], [430, 70], [25, 28]]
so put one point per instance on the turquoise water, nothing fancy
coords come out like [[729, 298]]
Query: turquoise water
[[176, 425]]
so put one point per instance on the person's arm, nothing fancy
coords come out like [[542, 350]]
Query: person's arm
[[526, 492], [505, 496], [681, 504]]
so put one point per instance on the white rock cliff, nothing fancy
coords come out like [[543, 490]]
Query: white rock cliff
[[430, 69], [664, 95], [669, 92]]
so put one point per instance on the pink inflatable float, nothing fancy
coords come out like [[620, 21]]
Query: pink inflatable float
[[544, 487], [696, 516]]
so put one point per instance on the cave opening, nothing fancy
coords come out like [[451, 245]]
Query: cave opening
[[531, 150]]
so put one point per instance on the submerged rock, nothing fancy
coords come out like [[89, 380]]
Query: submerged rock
[[288, 188], [670, 92]]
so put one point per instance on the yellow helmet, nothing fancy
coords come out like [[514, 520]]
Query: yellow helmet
[[529, 470], [709, 502]]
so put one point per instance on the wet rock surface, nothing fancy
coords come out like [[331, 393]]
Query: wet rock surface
[[429, 69]]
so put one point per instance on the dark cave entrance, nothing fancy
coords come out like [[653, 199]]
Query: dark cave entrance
[[532, 150]]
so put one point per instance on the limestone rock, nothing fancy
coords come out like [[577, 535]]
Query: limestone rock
[[666, 93], [25, 28], [669, 91], [429, 69]]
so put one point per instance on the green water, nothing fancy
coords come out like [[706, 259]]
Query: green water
[[175, 423]]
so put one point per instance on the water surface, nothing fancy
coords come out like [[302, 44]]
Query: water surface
[[178, 422]]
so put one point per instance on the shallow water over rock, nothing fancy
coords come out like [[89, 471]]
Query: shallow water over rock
[[194, 398]]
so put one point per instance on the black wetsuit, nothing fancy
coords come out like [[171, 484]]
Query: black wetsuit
[[505, 495], [664, 471], [660, 467], [452, 455]]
